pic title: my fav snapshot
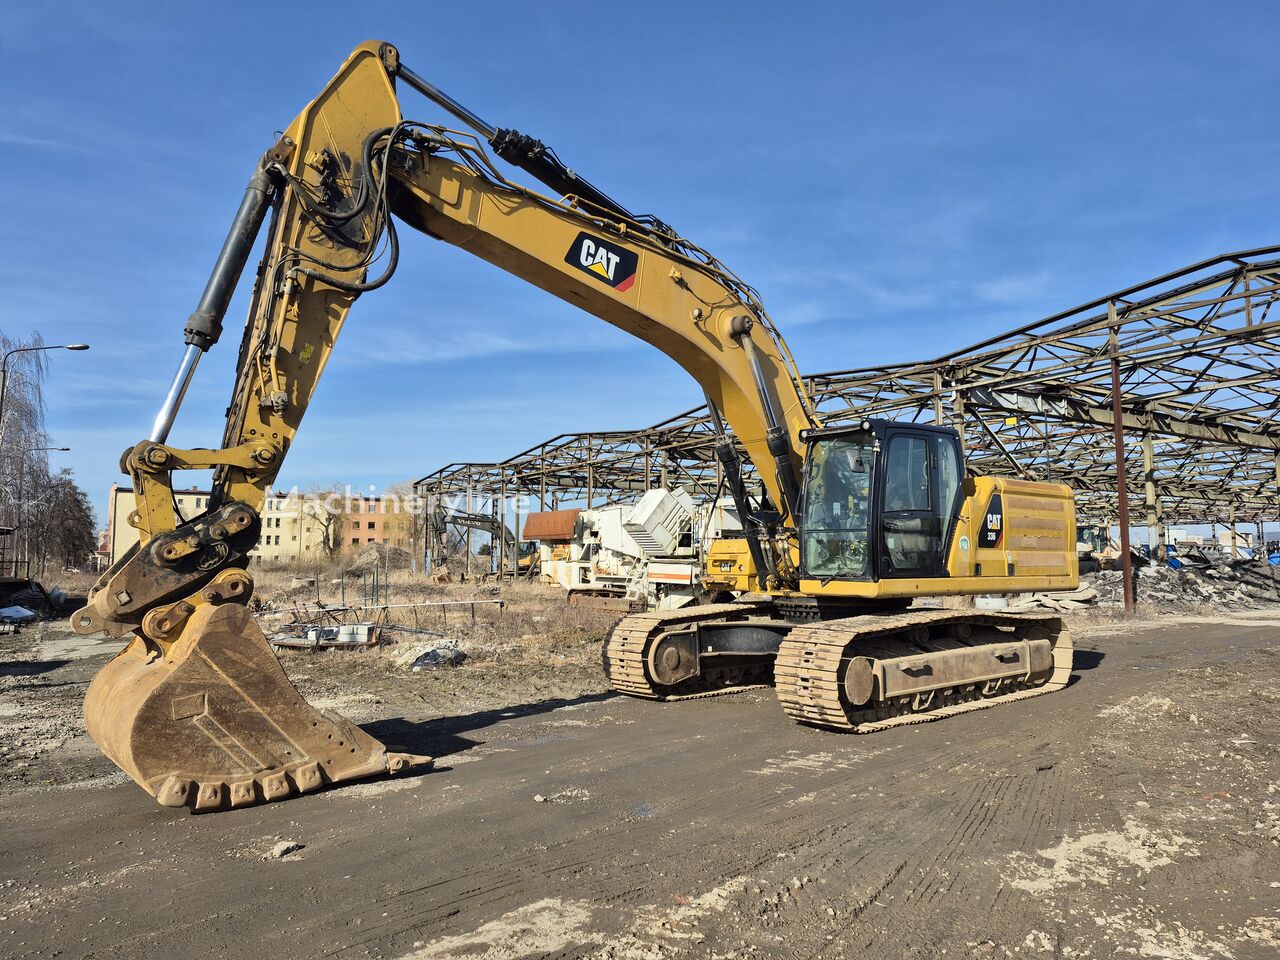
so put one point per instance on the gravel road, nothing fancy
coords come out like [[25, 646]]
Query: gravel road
[[1135, 813]]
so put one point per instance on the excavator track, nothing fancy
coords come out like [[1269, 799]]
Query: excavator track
[[819, 664], [626, 655]]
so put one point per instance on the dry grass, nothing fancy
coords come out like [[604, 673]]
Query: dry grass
[[532, 649], [531, 625], [74, 584]]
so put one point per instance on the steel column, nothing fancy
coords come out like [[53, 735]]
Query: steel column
[[1122, 490], [1155, 531], [470, 509]]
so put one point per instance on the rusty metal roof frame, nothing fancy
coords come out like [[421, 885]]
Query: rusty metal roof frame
[[1197, 349]]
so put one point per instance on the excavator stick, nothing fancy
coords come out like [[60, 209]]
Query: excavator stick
[[214, 722]]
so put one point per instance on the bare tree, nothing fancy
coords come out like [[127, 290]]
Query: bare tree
[[24, 471], [61, 524], [324, 508]]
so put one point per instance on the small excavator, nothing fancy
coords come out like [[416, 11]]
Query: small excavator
[[522, 557], [852, 522]]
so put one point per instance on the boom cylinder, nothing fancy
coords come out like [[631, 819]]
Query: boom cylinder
[[204, 326], [727, 454], [776, 438]]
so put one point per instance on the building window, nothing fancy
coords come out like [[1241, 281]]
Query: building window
[[370, 540], [355, 524], [370, 524], [355, 541]]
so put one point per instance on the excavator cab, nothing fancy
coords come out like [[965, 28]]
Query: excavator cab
[[879, 501]]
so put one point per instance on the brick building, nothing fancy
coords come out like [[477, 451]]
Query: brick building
[[293, 527]]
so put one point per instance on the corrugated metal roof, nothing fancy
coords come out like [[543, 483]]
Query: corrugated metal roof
[[553, 526]]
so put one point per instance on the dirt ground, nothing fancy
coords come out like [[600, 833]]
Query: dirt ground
[[1134, 814]]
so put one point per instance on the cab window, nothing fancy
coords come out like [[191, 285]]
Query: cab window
[[949, 476], [837, 497], [909, 528]]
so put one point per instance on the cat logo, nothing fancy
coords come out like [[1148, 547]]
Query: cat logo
[[605, 261], [993, 524]]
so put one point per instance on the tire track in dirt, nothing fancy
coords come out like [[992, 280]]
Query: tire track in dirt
[[927, 883], [435, 905], [841, 831]]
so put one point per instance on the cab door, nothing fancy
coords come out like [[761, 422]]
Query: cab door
[[910, 525]]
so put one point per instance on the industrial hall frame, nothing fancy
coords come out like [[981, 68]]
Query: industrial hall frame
[[1174, 379]]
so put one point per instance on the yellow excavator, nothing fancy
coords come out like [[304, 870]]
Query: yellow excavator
[[844, 526]]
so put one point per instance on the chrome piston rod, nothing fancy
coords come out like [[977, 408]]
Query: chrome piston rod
[[438, 96], [205, 325], [173, 399]]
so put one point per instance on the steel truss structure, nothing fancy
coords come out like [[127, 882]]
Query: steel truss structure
[[1192, 356]]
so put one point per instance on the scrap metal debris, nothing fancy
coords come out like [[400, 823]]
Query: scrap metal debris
[[31, 595], [327, 637], [17, 614]]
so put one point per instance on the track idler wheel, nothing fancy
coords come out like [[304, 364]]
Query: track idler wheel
[[215, 723], [674, 658]]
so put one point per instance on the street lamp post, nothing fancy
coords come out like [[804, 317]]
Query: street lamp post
[[4, 372], [4, 381]]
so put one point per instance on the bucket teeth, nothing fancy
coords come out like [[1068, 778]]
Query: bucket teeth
[[211, 796], [215, 723], [307, 777], [275, 786], [176, 792], [244, 793]]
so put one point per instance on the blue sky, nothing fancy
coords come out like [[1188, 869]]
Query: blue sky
[[898, 180]]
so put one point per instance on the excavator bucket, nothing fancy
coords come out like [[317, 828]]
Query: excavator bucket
[[215, 723]]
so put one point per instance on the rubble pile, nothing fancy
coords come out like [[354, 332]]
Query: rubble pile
[[1240, 583], [381, 556], [1226, 583], [23, 600], [1062, 601]]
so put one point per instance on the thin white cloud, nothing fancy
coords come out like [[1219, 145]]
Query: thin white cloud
[[22, 140], [1015, 288]]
